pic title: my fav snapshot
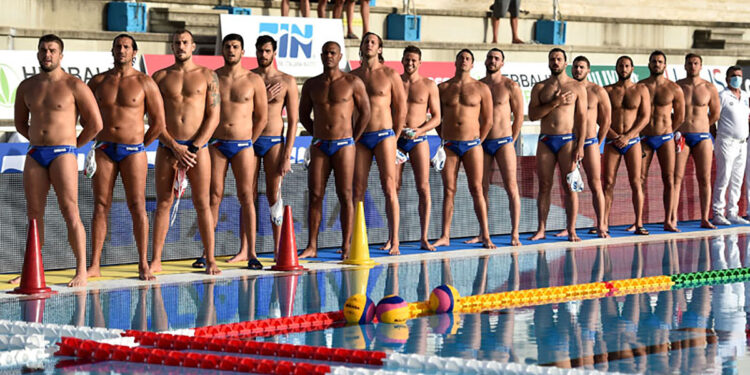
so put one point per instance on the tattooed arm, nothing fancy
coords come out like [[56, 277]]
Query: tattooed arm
[[212, 112]]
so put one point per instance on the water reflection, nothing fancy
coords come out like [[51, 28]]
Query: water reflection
[[678, 331]]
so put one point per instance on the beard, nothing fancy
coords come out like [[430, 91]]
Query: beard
[[556, 72], [265, 63], [491, 69], [655, 72], [624, 77], [579, 79], [47, 69]]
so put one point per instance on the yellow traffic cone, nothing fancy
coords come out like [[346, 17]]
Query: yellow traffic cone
[[359, 253]]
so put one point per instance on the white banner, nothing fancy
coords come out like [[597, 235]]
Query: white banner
[[15, 66], [299, 40]]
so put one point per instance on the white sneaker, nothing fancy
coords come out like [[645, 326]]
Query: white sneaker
[[719, 219], [736, 219]]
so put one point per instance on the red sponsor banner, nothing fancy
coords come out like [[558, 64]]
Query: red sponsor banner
[[434, 70], [154, 63]]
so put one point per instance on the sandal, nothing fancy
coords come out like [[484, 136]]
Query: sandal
[[352, 36], [254, 264], [642, 231], [200, 263]]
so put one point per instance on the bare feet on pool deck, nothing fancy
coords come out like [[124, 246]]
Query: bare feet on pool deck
[[94, 271], [309, 252], [515, 240], [562, 233], [15, 281], [487, 244], [78, 280], [476, 239], [239, 257], [539, 235], [442, 241], [386, 246], [425, 245], [344, 253], [603, 233], [394, 250], [212, 268], [631, 228], [707, 224], [573, 237], [155, 266], [144, 273]]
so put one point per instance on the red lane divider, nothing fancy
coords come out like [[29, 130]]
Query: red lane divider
[[274, 326], [271, 349], [93, 350]]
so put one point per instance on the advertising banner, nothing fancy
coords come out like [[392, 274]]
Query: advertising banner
[[15, 66], [299, 40]]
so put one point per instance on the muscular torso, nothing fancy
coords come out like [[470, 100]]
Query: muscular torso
[[275, 125], [697, 98], [121, 100], [236, 119], [625, 103], [378, 84], [592, 110], [333, 105], [561, 119], [418, 95], [501, 121], [184, 95], [461, 104], [52, 107], [662, 97]]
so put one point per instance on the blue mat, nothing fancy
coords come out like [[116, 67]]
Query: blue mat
[[409, 248]]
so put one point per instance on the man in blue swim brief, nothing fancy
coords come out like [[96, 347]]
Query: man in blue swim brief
[[46, 111], [120, 148], [702, 108], [331, 98], [631, 109], [464, 127], [598, 116], [507, 119], [270, 148], [668, 113], [560, 102], [192, 100], [243, 98], [422, 95], [388, 115]]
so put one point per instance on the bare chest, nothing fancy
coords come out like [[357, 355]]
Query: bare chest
[[236, 90], [49, 96], [661, 95], [182, 86], [332, 93], [377, 83], [417, 93], [120, 92], [455, 95]]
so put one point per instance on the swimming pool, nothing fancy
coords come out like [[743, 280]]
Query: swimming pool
[[690, 330]]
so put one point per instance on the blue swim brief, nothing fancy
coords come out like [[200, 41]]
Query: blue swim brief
[[117, 152], [45, 155], [591, 141], [461, 147], [491, 146], [407, 144], [556, 141], [625, 149], [330, 146], [692, 139], [655, 141], [371, 139], [265, 143], [230, 148]]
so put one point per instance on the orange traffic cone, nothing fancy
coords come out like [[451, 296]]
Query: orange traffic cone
[[287, 258], [32, 275], [286, 290]]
